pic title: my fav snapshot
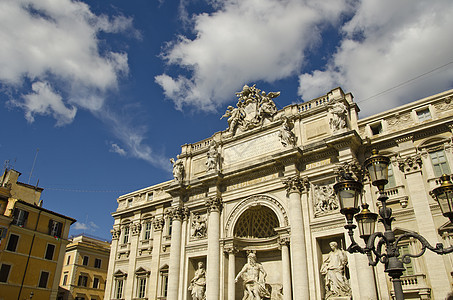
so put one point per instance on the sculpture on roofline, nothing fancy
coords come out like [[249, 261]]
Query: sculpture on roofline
[[287, 137], [338, 116], [253, 108], [212, 162], [178, 169]]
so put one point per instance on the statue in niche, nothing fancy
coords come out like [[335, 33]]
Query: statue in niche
[[178, 169], [333, 269], [198, 229], [197, 286], [212, 162], [325, 199], [338, 119], [287, 137], [254, 280]]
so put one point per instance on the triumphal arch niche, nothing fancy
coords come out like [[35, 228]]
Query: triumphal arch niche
[[254, 238]]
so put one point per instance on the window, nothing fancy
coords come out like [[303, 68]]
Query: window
[[119, 288], [376, 128], [150, 197], [97, 263], [65, 279], [43, 279], [164, 281], [129, 202], [141, 287], [83, 280], [147, 231], [55, 228], [12, 243], [409, 268], [49, 251], [85, 261], [20, 217], [440, 164], [126, 234], [95, 283], [4, 272], [424, 115], [391, 177], [69, 259]]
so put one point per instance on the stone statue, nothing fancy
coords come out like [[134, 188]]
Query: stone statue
[[254, 279], [197, 286], [287, 137], [213, 159], [178, 169], [198, 229], [333, 270], [338, 118], [235, 116]]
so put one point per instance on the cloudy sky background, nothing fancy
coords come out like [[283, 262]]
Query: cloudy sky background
[[109, 90]]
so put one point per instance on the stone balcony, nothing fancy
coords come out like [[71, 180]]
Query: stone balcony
[[396, 195], [415, 287]]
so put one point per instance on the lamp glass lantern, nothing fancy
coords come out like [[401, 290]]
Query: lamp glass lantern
[[377, 166], [348, 193], [366, 221], [444, 196]]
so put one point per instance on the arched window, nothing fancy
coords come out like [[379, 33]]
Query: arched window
[[257, 222]]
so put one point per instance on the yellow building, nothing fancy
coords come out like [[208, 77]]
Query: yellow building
[[33, 241], [85, 269]]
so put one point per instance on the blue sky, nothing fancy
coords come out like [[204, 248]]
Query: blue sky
[[108, 91]]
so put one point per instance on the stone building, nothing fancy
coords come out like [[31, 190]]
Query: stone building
[[251, 210], [84, 271]]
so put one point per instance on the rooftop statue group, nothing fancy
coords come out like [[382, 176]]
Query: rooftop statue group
[[253, 107]]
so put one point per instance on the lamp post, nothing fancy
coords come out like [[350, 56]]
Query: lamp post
[[384, 245]]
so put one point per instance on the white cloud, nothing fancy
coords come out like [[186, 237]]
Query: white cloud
[[87, 226], [385, 44], [80, 226], [55, 42], [117, 149], [244, 41]]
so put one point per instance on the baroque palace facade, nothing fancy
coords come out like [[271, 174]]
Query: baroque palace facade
[[251, 210]]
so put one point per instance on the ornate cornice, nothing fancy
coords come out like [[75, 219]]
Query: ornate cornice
[[295, 184], [410, 163], [214, 204]]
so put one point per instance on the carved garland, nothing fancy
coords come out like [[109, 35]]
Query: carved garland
[[158, 224], [410, 163]]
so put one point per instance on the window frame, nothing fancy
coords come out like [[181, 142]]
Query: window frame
[[119, 288], [126, 233], [65, 278], [41, 279], [87, 260], [147, 230], [82, 281], [7, 275], [98, 281], [47, 250], [55, 228], [20, 217], [423, 114], [437, 167], [9, 242], [96, 265]]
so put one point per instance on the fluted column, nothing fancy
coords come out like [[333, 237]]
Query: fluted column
[[116, 232], [214, 206], [231, 271], [176, 214], [286, 268], [158, 225], [294, 187]]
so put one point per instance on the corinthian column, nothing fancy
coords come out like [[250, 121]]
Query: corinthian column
[[294, 187], [231, 271], [214, 206], [286, 268], [176, 214]]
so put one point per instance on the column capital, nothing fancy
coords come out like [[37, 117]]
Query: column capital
[[158, 223], [115, 233], [296, 184], [349, 169], [231, 250], [135, 228], [283, 241], [177, 213], [214, 204], [410, 164]]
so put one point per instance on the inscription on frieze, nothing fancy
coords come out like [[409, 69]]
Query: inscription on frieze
[[261, 145]]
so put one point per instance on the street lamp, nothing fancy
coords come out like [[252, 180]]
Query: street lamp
[[384, 245]]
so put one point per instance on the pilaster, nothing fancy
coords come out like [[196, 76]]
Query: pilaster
[[213, 205], [158, 225], [286, 268]]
